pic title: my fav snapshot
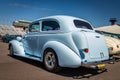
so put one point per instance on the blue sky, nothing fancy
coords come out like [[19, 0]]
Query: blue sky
[[97, 12]]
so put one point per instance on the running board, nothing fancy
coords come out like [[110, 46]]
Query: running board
[[29, 57]]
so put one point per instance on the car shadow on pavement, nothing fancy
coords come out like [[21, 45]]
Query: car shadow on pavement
[[29, 61], [76, 73], [81, 72]]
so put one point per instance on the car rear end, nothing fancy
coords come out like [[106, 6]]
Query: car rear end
[[91, 45]]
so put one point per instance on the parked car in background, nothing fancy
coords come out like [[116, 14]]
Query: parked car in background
[[62, 41], [113, 44], [8, 37]]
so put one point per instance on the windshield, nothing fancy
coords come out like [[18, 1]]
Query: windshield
[[82, 24]]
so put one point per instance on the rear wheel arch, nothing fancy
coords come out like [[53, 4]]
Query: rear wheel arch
[[49, 49]]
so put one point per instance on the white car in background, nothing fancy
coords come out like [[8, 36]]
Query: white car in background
[[113, 44]]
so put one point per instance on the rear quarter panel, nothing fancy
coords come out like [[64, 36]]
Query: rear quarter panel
[[66, 56]]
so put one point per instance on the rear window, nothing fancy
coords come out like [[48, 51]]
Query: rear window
[[82, 24]]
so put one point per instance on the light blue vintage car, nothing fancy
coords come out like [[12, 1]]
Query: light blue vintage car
[[61, 41]]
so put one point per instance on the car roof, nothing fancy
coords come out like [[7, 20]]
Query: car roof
[[62, 17], [65, 21]]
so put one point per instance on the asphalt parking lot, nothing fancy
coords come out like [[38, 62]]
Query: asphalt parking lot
[[17, 68]]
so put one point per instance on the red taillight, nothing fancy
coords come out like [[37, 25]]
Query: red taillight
[[86, 50]]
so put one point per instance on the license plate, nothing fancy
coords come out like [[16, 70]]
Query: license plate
[[101, 66]]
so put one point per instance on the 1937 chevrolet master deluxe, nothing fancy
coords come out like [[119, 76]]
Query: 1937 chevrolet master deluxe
[[61, 41]]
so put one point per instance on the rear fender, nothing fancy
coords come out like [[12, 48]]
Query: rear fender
[[66, 57]]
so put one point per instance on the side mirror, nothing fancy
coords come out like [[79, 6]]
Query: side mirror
[[19, 39]]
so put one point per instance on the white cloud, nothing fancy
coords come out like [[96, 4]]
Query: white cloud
[[29, 6]]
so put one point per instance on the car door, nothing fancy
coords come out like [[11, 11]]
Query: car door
[[31, 40]]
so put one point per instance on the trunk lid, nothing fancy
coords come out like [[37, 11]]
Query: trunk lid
[[96, 45]]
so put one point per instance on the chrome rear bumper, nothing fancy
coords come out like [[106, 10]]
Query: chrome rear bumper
[[96, 65]]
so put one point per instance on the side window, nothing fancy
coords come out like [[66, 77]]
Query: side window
[[50, 26], [34, 27]]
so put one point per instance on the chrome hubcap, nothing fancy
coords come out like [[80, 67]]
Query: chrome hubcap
[[50, 60]]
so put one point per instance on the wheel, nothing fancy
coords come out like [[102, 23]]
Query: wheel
[[50, 61], [11, 50]]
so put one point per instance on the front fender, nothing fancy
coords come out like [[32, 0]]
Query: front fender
[[17, 47], [66, 57]]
